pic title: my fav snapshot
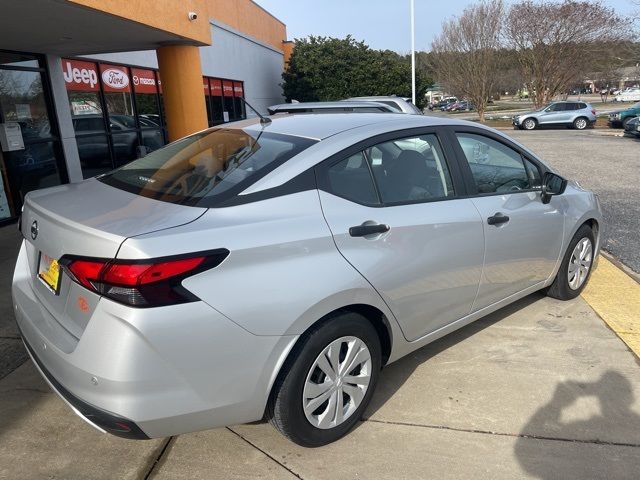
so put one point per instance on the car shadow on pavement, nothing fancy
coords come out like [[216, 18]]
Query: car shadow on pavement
[[552, 442], [394, 376]]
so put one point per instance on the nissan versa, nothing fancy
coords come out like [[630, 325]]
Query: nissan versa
[[269, 269]]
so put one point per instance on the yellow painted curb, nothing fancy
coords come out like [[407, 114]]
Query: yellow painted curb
[[615, 296]]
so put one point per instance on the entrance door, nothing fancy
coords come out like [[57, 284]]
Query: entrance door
[[24, 100]]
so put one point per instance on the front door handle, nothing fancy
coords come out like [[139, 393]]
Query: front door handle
[[364, 230], [498, 219]]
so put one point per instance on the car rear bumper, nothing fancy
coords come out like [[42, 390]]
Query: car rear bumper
[[150, 373]]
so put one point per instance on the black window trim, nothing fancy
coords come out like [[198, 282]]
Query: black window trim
[[459, 187], [463, 164]]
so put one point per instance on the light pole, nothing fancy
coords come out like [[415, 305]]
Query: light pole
[[413, 55]]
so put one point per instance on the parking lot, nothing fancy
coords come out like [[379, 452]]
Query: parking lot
[[540, 389]]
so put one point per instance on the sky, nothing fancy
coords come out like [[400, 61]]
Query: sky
[[382, 24]]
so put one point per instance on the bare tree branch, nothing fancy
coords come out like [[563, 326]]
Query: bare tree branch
[[465, 54], [556, 42]]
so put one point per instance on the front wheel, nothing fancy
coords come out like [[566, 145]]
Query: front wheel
[[580, 123], [529, 124], [327, 381], [576, 266]]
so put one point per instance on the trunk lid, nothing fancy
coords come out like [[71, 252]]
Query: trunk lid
[[88, 219]]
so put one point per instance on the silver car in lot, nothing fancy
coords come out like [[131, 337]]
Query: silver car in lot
[[341, 106], [400, 103], [578, 115], [270, 270]]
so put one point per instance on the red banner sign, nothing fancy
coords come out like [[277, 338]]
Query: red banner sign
[[216, 87], [205, 85], [238, 91], [144, 81], [227, 88], [114, 78], [80, 75]]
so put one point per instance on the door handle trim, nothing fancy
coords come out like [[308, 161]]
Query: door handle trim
[[364, 230], [498, 219]]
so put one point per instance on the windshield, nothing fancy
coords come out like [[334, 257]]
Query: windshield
[[201, 169], [636, 105]]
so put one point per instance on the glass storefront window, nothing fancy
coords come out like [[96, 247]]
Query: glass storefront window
[[229, 108], [238, 95], [116, 86], [32, 168], [95, 158], [217, 106], [22, 100]]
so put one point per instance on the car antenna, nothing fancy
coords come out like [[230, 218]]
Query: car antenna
[[264, 121]]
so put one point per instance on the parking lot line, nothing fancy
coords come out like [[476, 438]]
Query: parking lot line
[[615, 296]]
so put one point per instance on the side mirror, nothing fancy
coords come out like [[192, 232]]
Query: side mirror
[[552, 184]]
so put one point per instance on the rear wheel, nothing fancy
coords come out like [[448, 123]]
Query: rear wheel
[[580, 123], [327, 381], [529, 124], [576, 266]]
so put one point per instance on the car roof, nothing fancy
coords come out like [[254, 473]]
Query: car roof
[[323, 125]]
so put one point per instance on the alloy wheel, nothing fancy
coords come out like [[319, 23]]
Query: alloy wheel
[[581, 124], [337, 382], [529, 124], [580, 263]]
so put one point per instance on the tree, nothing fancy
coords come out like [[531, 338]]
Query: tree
[[465, 55], [325, 68], [556, 42]]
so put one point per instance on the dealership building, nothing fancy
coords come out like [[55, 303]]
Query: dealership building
[[89, 85]]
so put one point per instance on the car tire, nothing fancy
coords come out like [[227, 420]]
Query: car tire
[[580, 123], [301, 379], [529, 124], [625, 121], [570, 282]]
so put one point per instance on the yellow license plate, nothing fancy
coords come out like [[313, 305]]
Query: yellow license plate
[[49, 272]]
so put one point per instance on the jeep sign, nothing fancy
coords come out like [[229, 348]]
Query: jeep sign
[[80, 75], [114, 79]]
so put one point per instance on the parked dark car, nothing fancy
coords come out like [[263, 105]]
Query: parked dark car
[[632, 128], [621, 117]]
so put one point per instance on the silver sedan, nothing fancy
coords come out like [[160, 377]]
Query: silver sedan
[[270, 270]]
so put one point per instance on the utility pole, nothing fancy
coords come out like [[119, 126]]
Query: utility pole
[[413, 55]]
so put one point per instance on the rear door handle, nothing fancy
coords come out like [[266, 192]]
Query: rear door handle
[[498, 219], [364, 230]]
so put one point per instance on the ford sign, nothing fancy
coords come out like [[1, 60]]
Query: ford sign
[[115, 78]]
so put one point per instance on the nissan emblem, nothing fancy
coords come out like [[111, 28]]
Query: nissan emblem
[[34, 229]]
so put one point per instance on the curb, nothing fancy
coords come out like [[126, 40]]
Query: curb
[[614, 294]]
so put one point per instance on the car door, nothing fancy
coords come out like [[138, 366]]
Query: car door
[[552, 114], [394, 210], [523, 236]]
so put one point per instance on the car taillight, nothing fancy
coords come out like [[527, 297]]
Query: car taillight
[[141, 283], [593, 111]]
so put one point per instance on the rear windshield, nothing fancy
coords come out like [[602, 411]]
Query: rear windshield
[[206, 167]]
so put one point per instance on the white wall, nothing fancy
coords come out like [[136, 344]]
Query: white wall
[[236, 56]]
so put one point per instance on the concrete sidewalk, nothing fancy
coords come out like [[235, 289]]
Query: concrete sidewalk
[[541, 389]]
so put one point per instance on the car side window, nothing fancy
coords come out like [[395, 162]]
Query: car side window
[[351, 179], [411, 169], [495, 167]]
